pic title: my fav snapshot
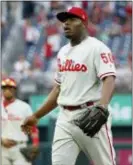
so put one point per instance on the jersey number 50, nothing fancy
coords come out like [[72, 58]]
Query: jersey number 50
[[107, 57]]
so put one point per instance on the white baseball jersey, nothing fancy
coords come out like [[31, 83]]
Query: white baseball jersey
[[12, 118], [80, 70]]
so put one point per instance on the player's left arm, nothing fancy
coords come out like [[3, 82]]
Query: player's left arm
[[107, 89], [106, 72], [92, 120]]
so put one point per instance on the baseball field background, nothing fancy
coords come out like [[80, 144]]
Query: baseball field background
[[31, 61]]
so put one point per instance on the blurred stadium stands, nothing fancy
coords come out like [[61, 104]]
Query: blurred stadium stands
[[31, 36], [32, 30]]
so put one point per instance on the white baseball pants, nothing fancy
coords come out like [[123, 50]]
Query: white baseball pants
[[69, 140], [12, 156]]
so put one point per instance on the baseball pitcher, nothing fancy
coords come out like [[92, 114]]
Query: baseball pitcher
[[85, 81], [13, 140]]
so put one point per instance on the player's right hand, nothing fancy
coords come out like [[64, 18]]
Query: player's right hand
[[28, 124]]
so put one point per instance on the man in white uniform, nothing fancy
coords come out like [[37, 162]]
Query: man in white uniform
[[14, 111], [84, 86]]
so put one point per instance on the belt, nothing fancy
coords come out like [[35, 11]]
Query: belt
[[72, 108], [20, 142]]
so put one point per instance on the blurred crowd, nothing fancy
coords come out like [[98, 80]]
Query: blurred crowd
[[34, 69]]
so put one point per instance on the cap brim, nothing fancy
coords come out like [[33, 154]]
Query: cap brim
[[64, 15], [4, 86]]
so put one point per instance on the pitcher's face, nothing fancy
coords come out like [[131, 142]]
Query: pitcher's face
[[73, 27]]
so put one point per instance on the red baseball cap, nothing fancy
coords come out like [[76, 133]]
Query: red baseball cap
[[73, 12], [9, 82]]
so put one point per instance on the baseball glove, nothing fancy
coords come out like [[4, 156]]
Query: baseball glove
[[30, 152], [92, 120]]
